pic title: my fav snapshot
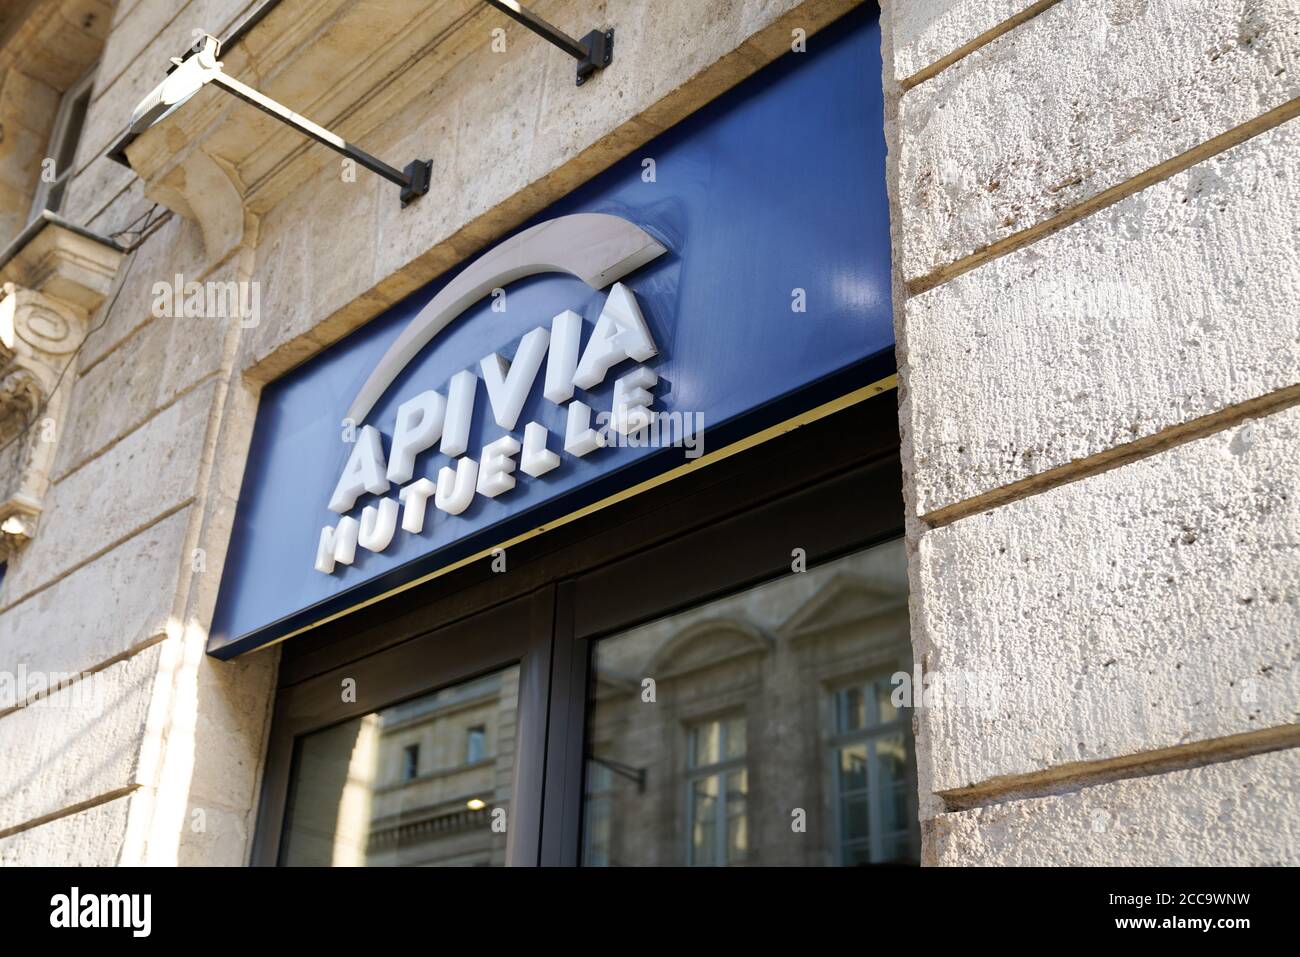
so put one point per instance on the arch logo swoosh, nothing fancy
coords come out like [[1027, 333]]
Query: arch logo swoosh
[[598, 248]]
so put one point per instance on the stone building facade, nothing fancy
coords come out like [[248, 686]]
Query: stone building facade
[[1095, 222]]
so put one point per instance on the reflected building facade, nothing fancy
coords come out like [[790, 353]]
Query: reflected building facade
[[755, 730], [423, 783], [759, 729]]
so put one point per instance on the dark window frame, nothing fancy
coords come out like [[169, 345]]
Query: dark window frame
[[64, 142], [477, 733], [719, 530], [410, 762]]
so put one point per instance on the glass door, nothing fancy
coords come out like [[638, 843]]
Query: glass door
[[427, 753], [723, 694]]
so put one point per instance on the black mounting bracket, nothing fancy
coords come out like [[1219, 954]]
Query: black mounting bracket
[[593, 52], [418, 173], [600, 52]]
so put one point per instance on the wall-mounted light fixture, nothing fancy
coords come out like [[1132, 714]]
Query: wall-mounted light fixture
[[201, 66]]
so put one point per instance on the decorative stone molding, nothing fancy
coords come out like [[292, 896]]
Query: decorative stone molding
[[64, 276], [206, 192]]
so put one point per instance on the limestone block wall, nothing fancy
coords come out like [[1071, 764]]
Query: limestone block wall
[[1097, 281]]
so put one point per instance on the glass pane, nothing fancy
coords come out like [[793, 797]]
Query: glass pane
[[735, 735], [895, 809], [765, 722], [896, 848], [595, 848], [885, 710], [708, 744], [704, 827], [54, 198], [852, 709], [857, 818], [891, 756], [400, 786], [853, 768], [737, 824], [895, 786], [475, 745]]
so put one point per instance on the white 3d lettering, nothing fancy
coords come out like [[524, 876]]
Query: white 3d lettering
[[432, 419]]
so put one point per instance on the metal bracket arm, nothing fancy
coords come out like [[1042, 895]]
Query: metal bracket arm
[[414, 180], [201, 67]]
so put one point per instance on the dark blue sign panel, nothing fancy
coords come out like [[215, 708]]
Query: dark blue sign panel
[[772, 297]]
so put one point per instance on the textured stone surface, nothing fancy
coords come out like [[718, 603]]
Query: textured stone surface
[[124, 9], [1175, 303], [22, 149], [234, 699], [57, 43], [302, 278], [153, 470], [1078, 99], [95, 194], [926, 31], [1238, 813], [1153, 605], [176, 247], [162, 359], [223, 840], [101, 610], [201, 749], [89, 838], [81, 743]]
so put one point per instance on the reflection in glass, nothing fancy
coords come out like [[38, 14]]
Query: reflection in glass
[[717, 825], [874, 787], [426, 782], [770, 737], [704, 822]]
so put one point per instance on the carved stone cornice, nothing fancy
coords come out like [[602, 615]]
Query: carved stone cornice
[[49, 288], [63, 262], [54, 41]]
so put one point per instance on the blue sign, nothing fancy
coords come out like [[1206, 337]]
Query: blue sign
[[753, 284]]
